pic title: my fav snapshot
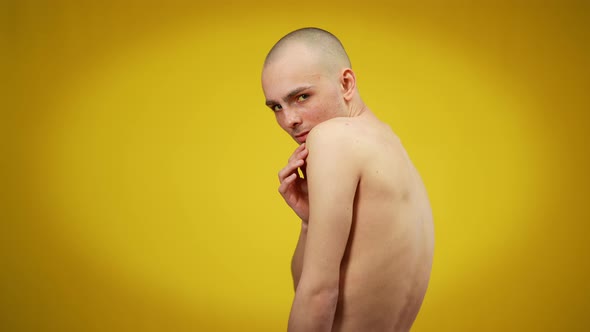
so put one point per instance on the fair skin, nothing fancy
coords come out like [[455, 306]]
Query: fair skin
[[364, 253]]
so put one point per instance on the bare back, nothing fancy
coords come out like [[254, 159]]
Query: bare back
[[386, 266]]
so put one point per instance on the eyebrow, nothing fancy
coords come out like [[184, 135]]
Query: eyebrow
[[290, 95]]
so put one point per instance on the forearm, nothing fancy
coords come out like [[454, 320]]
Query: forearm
[[297, 261], [311, 310]]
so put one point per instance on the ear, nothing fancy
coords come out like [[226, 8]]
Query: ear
[[348, 83]]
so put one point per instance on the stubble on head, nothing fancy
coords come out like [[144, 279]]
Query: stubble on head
[[321, 45]]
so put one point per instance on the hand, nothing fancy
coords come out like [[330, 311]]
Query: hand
[[293, 188]]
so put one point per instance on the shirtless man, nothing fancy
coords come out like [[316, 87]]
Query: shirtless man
[[364, 255]]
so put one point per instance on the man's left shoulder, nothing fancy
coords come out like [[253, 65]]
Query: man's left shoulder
[[338, 141], [336, 132]]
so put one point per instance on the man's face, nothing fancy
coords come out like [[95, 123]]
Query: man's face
[[301, 92]]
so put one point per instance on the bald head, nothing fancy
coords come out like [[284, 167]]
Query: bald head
[[324, 45]]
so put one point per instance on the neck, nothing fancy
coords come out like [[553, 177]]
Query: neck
[[357, 107]]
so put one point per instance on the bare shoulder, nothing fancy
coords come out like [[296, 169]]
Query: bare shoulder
[[337, 144], [334, 133], [362, 136]]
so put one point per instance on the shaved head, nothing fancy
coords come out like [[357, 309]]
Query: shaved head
[[324, 45]]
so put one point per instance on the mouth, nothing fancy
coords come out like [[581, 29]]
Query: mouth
[[302, 137]]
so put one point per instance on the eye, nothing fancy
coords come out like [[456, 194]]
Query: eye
[[276, 108], [302, 97]]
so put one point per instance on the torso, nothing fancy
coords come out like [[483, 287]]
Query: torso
[[387, 263]]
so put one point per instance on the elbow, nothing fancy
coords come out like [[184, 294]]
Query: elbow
[[328, 301], [327, 298], [323, 301], [314, 309]]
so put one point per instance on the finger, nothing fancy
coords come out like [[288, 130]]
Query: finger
[[303, 153], [291, 168], [297, 151], [283, 188]]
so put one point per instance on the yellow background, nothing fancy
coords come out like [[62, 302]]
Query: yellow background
[[139, 161]]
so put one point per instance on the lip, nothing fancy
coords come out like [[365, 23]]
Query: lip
[[302, 137]]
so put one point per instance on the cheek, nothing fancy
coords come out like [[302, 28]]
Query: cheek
[[323, 110], [330, 105], [281, 121], [312, 112]]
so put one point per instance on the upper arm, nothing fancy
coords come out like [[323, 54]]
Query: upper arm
[[332, 178]]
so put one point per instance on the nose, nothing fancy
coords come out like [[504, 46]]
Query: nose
[[292, 118]]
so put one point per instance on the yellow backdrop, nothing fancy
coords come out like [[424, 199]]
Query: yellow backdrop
[[139, 161]]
